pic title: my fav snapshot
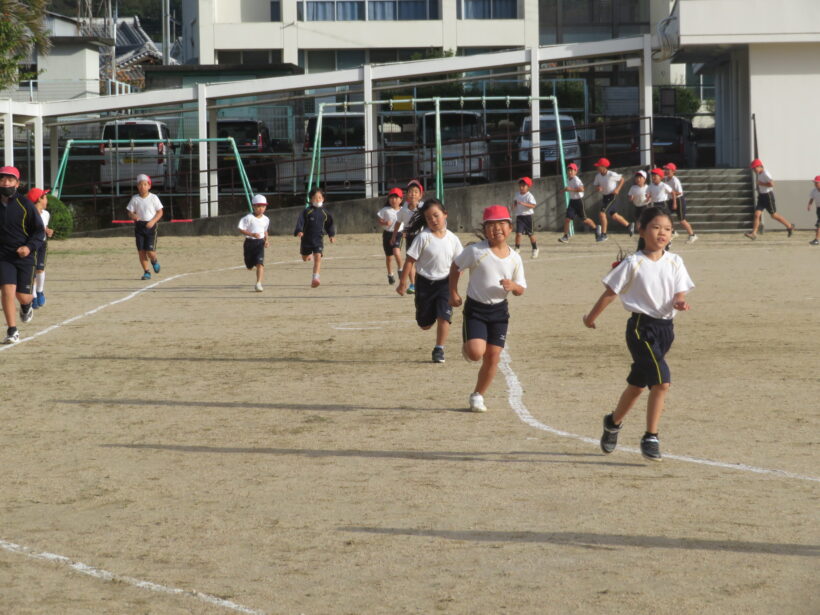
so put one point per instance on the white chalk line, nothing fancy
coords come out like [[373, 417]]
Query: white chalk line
[[516, 400]]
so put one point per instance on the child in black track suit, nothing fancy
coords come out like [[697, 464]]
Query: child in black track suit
[[313, 223]]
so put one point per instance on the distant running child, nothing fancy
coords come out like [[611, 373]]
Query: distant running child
[[609, 184], [575, 210], [814, 197], [679, 205], [412, 201], [432, 255], [255, 229], [637, 193], [524, 205], [39, 197], [765, 200], [495, 271], [658, 192], [145, 209], [313, 222], [387, 218], [652, 284]]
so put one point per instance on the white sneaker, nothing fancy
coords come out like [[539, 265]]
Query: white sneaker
[[258, 287], [692, 239], [12, 338], [27, 315], [674, 234], [535, 253], [477, 403]]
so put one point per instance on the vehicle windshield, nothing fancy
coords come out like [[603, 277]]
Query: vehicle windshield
[[244, 133], [454, 127], [548, 132], [667, 128], [130, 131], [347, 131]]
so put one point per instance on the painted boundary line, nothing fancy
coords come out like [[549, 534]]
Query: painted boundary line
[[516, 400], [110, 576]]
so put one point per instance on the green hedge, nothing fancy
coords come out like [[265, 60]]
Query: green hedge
[[62, 218]]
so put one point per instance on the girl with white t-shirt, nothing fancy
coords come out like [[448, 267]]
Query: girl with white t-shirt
[[652, 284], [431, 254], [495, 271], [412, 201], [387, 217]]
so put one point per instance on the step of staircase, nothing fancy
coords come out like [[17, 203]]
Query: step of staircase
[[718, 200]]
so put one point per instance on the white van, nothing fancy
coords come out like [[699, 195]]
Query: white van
[[121, 162], [342, 149], [549, 141], [465, 147]]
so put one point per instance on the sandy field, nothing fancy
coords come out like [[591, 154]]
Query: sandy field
[[187, 445]]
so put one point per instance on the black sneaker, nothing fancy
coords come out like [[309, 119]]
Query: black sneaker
[[390, 279], [790, 230], [651, 448], [438, 355], [609, 439], [26, 315]]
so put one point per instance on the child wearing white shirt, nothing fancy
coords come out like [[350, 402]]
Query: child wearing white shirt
[[524, 205], [145, 209], [765, 200], [255, 229], [388, 218]]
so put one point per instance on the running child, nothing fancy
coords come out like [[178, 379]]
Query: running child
[[814, 197], [524, 205], [38, 197], [609, 184], [313, 222], [576, 210], [679, 204], [495, 271], [412, 201], [637, 193], [652, 284], [659, 193], [765, 200], [431, 255], [387, 217], [145, 209], [255, 229]]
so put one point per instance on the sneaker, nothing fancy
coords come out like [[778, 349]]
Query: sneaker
[[411, 290], [563, 239], [258, 287], [315, 282], [692, 238], [814, 242], [391, 279], [601, 237], [438, 355], [12, 336], [146, 276], [651, 448], [790, 230], [27, 315], [477, 403], [631, 229], [609, 439], [599, 231], [41, 299], [517, 248], [535, 253], [34, 304], [155, 264], [750, 235]]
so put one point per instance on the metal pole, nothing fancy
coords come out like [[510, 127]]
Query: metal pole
[[166, 33], [439, 166]]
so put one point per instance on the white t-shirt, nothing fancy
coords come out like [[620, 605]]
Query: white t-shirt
[[764, 177], [527, 197], [404, 215], [659, 193], [648, 287], [145, 208], [255, 225], [608, 181], [434, 255], [637, 194], [487, 271], [674, 183], [815, 196], [575, 182], [46, 216], [389, 215]]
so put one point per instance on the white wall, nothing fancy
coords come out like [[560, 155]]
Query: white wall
[[242, 11]]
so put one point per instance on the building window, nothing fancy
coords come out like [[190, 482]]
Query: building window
[[249, 56], [569, 21], [275, 10], [373, 10], [487, 9]]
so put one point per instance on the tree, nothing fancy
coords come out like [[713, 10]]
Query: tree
[[22, 30]]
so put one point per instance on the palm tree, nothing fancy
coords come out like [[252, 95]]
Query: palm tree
[[22, 29]]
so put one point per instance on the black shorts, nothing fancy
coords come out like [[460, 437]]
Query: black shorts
[[523, 225], [663, 206], [486, 321], [311, 247], [817, 224], [408, 241], [40, 261], [680, 212], [432, 301], [576, 210], [254, 250], [19, 272], [648, 340], [387, 242], [609, 205], [146, 237], [766, 201]]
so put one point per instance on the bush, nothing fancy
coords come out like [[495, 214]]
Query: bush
[[62, 218]]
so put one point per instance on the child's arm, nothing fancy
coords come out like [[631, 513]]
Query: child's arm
[[155, 219], [679, 302], [510, 286], [607, 297], [330, 227], [404, 280], [455, 274], [267, 242], [808, 207], [300, 224], [619, 186]]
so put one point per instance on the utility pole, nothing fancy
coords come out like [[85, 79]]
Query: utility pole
[[166, 32]]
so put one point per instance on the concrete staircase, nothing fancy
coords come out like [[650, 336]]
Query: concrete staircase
[[718, 200]]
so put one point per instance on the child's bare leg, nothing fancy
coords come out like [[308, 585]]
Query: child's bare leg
[[152, 256], [389, 267], [687, 227], [654, 406], [317, 262], [620, 219], [143, 256], [782, 220], [24, 299], [7, 291], [260, 273], [488, 368], [590, 223], [566, 226], [604, 222], [626, 402], [756, 221], [306, 257], [442, 331], [475, 348], [517, 239], [397, 256]]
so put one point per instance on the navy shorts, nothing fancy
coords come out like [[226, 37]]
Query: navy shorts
[[680, 212], [523, 225], [817, 224], [40, 261], [146, 237], [648, 340], [408, 241], [387, 242], [432, 301], [766, 201], [576, 210], [486, 321], [609, 206], [306, 248], [254, 251], [19, 272]]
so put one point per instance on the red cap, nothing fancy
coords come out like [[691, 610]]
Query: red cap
[[525, 180], [817, 178], [602, 162], [10, 171], [671, 166], [572, 165], [496, 212], [757, 162], [35, 194], [396, 192], [657, 172], [415, 182]]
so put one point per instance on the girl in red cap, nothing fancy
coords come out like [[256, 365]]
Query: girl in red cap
[[412, 201], [814, 197], [575, 209], [765, 200], [524, 204], [609, 184], [387, 218], [39, 197], [495, 271]]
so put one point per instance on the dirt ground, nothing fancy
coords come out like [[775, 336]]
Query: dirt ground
[[295, 451]]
